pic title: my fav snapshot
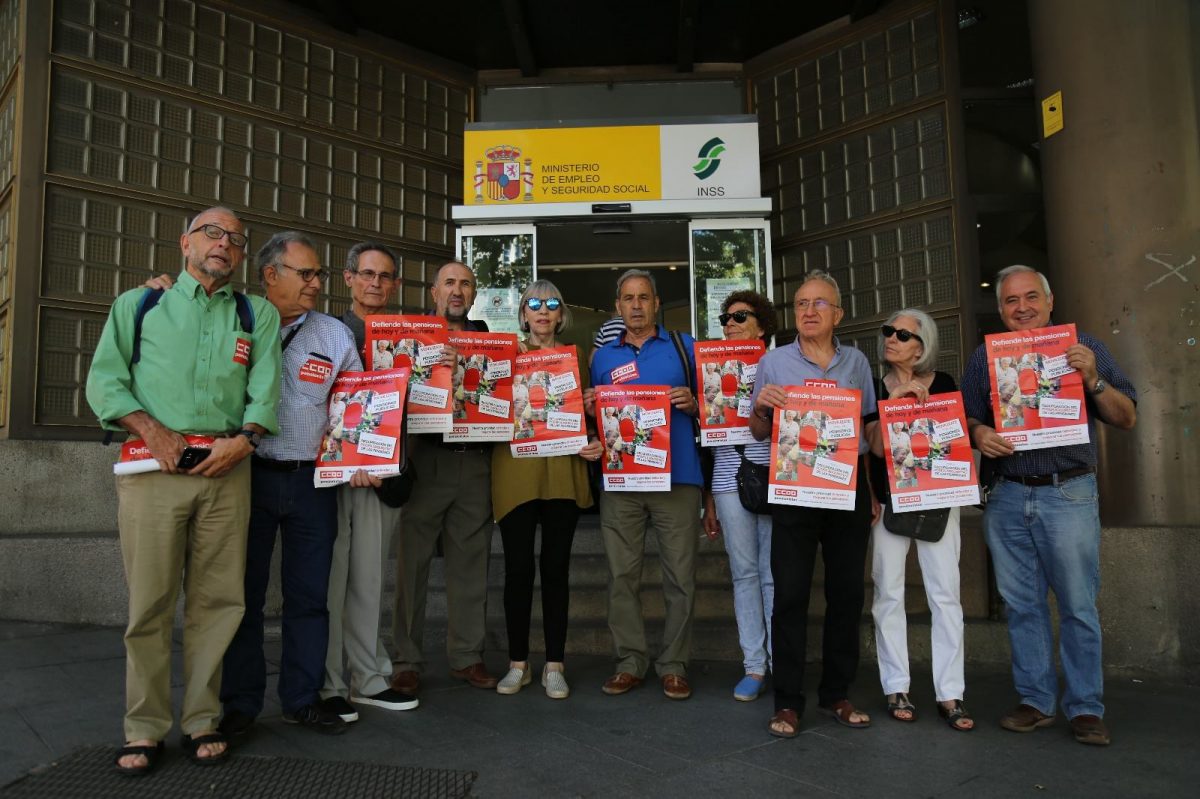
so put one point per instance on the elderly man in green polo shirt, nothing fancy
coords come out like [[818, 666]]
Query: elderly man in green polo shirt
[[198, 371]]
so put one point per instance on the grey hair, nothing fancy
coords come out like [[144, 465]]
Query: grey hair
[[544, 289], [270, 253], [216, 209], [1008, 271], [370, 246], [824, 277], [927, 330], [630, 274]]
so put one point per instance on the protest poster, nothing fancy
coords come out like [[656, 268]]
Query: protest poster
[[814, 448], [366, 410], [725, 370], [928, 453], [636, 424], [482, 386], [1037, 399], [547, 404], [418, 344], [135, 457]]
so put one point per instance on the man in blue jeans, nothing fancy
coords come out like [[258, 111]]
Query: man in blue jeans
[[1042, 524]]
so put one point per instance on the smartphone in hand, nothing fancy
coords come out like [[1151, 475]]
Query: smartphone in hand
[[191, 458]]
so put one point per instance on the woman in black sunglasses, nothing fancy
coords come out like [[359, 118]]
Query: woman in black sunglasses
[[908, 345], [745, 315], [528, 492]]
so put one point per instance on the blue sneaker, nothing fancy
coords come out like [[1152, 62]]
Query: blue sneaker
[[748, 689]]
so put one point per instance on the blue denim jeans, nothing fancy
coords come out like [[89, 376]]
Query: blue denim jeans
[[748, 541], [1048, 537]]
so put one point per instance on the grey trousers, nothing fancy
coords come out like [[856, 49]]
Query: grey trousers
[[453, 499], [674, 516], [364, 537]]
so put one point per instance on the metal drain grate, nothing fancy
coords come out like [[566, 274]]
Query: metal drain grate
[[89, 773]]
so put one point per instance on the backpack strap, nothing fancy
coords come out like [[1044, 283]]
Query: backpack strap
[[149, 299], [681, 351], [245, 312]]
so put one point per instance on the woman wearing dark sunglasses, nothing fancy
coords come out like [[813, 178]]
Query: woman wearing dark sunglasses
[[528, 492], [908, 345], [745, 315]]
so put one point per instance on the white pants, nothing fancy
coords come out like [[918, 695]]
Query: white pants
[[939, 569]]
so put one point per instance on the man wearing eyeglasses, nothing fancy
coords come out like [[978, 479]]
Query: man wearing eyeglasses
[[198, 371], [816, 358], [453, 501], [316, 347], [366, 524]]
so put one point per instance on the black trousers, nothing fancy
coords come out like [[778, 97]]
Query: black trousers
[[557, 518], [843, 537]]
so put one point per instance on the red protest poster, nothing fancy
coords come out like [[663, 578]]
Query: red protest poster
[[814, 448], [482, 387], [416, 343], [135, 457], [363, 434], [547, 404], [636, 424], [927, 452], [726, 370], [1037, 400]]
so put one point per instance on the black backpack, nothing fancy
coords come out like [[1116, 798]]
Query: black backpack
[[152, 296]]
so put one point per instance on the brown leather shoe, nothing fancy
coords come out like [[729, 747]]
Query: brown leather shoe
[[620, 683], [1091, 730], [476, 675], [675, 686], [1026, 718], [406, 682]]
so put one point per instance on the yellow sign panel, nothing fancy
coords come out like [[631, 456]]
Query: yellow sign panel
[[1052, 115], [547, 165]]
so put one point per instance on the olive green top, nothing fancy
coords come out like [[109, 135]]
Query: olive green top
[[516, 481]]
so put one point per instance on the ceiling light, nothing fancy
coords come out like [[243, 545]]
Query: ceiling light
[[985, 285], [968, 17], [1020, 84], [673, 267]]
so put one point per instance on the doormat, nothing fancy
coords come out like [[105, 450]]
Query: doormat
[[89, 773]]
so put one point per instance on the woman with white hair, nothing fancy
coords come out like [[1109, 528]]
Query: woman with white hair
[[908, 345]]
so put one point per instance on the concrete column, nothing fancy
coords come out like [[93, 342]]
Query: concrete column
[[1122, 197]]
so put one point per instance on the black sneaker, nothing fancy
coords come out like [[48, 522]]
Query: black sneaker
[[313, 717], [388, 699], [340, 708], [235, 723]]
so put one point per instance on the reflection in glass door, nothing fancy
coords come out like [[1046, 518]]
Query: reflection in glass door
[[727, 255], [503, 258]]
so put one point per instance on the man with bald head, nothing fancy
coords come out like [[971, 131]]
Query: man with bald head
[[191, 368], [453, 501]]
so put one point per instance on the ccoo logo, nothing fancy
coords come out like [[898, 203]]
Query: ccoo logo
[[710, 158]]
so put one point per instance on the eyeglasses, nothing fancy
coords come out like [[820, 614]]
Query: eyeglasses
[[215, 232], [307, 274], [535, 303], [369, 275], [904, 336], [818, 305], [737, 316]]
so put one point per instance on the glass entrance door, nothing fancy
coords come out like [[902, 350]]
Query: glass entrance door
[[504, 260], [727, 255]]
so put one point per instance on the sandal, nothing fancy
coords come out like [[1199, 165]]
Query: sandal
[[841, 711], [789, 719], [898, 703], [954, 715], [192, 743], [151, 753]]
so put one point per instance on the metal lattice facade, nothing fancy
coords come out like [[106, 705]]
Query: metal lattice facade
[[857, 158]]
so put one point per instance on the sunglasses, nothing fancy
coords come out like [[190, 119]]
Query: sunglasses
[[738, 316], [904, 336], [535, 304]]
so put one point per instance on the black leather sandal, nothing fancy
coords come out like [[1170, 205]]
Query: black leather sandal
[[191, 745], [152, 754]]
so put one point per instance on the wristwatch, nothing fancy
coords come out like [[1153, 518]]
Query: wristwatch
[[253, 436], [1099, 387]]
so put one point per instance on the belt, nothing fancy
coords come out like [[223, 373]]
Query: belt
[[1049, 479], [280, 466], [464, 446]]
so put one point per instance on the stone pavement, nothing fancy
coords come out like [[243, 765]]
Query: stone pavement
[[61, 688]]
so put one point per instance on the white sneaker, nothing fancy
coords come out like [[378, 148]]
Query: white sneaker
[[556, 684], [514, 681]]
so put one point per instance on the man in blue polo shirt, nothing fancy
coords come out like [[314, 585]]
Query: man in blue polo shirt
[[674, 515]]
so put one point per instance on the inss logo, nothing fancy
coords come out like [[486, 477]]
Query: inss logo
[[710, 158]]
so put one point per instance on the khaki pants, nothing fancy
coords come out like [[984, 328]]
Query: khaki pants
[[453, 499], [191, 530], [675, 518]]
